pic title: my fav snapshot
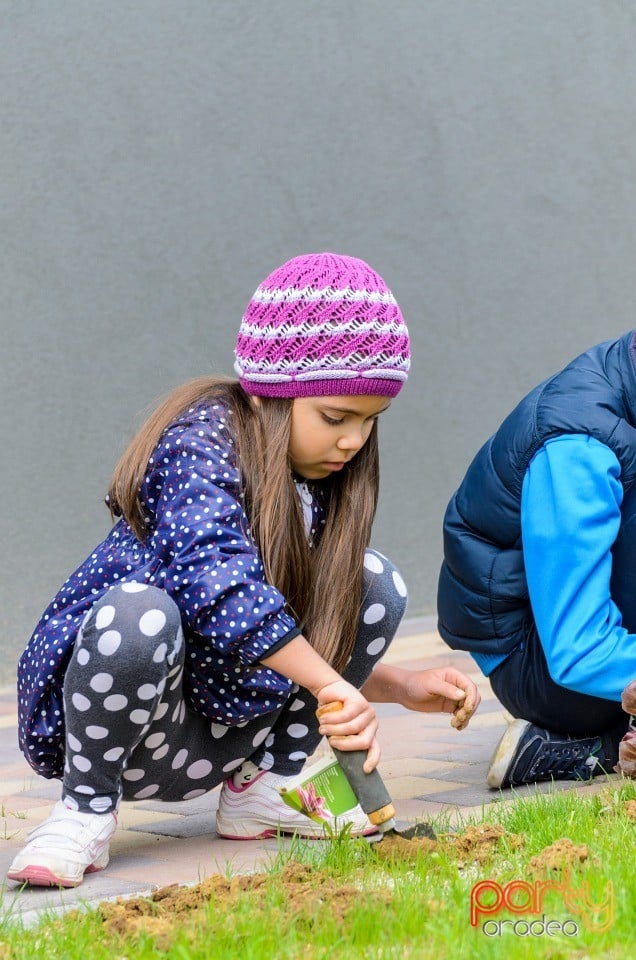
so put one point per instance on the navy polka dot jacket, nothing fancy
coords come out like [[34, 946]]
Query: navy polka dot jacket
[[200, 551]]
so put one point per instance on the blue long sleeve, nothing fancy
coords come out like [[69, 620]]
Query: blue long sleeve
[[570, 517]]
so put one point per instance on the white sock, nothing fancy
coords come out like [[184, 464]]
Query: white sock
[[245, 774]]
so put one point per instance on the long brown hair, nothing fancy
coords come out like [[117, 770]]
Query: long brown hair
[[321, 583]]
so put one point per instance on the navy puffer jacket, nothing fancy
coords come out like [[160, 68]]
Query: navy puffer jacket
[[483, 603]]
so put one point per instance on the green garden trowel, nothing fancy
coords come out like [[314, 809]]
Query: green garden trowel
[[374, 798]]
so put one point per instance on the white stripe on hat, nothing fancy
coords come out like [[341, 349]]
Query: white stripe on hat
[[283, 370], [289, 331], [330, 294]]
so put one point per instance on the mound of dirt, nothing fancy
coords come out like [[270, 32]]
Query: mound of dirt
[[474, 845], [394, 847], [303, 891], [559, 855]]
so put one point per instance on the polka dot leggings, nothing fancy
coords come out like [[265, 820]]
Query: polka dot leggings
[[129, 732]]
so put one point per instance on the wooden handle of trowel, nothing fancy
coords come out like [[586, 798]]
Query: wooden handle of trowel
[[369, 788]]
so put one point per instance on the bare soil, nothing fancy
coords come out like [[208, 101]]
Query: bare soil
[[304, 890]]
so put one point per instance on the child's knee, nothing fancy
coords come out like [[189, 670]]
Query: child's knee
[[134, 612]]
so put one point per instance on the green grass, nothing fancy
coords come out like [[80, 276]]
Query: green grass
[[344, 899]]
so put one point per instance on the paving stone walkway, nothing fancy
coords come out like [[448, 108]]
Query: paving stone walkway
[[429, 767]]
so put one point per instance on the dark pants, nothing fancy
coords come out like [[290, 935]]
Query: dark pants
[[524, 686], [131, 733]]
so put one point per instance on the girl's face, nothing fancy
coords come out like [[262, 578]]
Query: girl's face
[[327, 432]]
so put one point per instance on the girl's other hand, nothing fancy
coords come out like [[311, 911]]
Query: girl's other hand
[[348, 720], [443, 690]]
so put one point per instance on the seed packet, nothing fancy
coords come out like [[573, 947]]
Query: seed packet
[[320, 791]]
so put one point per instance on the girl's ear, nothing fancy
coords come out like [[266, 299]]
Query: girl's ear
[[255, 401]]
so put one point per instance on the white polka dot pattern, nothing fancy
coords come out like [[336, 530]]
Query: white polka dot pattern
[[400, 586], [148, 791], [179, 759], [160, 653], [130, 730], [109, 643], [376, 646], [232, 765], [104, 617], [101, 682], [260, 737], [297, 730], [373, 563], [116, 702], [199, 769], [154, 740], [374, 613], [152, 622], [96, 733], [139, 716], [134, 775]]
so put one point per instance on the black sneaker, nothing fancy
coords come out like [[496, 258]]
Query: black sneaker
[[527, 753]]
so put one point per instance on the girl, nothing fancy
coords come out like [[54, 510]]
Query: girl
[[236, 593]]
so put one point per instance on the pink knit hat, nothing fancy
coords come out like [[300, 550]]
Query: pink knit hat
[[321, 325]]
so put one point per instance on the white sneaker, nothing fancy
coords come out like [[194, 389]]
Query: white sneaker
[[255, 810], [63, 848]]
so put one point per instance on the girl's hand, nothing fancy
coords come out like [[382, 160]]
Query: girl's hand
[[443, 690], [353, 726], [348, 720]]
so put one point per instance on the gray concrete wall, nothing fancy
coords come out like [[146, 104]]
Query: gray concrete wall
[[157, 159]]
